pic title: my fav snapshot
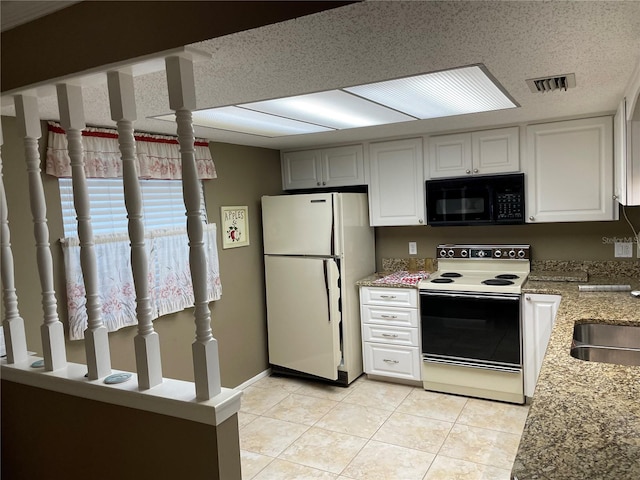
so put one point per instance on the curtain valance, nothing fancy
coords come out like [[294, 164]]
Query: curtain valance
[[158, 156]]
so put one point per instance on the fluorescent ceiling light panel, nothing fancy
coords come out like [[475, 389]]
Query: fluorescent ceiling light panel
[[439, 94], [334, 108], [241, 120], [431, 95]]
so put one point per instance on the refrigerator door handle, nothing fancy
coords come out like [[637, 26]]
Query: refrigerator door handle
[[333, 227], [325, 267]]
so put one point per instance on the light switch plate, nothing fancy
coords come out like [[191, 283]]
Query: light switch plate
[[623, 249], [413, 248]]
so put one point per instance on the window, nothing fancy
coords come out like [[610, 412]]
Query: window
[[166, 242], [162, 205]]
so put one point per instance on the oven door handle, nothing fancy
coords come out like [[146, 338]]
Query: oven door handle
[[512, 297]]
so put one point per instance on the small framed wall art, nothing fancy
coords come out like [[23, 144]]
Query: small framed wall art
[[235, 226]]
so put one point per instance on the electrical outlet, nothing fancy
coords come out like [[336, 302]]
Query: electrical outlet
[[413, 248], [623, 249]]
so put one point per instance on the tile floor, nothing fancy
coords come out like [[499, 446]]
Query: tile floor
[[295, 429]]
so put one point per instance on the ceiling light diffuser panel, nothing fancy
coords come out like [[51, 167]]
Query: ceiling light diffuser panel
[[335, 108], [431, 95], [439, 94], [241, 120]]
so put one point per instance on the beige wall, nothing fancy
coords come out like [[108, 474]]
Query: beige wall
[[550, 241], [45, 437], [238, 318]]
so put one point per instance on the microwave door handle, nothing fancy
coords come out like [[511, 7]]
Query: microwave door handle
[[491, 198]]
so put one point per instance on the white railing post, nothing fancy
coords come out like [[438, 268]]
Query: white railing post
[[15, 339], [182, 100], [147, 341], [52, 330], [96, 339]]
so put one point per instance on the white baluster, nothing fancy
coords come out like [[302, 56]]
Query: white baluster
[[96, 338], [182, 99], [52, 330], [147, 341], [15, 339]]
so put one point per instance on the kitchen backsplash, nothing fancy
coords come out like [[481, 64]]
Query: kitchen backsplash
[[595, 268]]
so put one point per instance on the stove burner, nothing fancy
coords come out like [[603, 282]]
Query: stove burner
[[507, 276], [451, 275], [497, 281], [442, 280]]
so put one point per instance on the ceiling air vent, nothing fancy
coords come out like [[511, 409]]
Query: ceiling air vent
[[550, 84]]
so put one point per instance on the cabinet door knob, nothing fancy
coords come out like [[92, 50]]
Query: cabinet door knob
[[318, 184], [420, 221], [532, 218], [475, 170], [324, 183], [528, 299], [468, 171]]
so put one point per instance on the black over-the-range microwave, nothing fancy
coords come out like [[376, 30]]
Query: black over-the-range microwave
[[482, 200]]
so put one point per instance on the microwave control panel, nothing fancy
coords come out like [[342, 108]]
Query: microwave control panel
[[509, 206]]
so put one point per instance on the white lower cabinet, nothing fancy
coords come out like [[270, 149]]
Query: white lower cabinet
[[390, 332], [539, 315]]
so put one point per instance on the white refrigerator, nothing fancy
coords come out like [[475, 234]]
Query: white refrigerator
[[316, 247]]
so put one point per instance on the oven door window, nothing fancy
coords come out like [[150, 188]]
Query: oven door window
[[459, 205], [476, 328]]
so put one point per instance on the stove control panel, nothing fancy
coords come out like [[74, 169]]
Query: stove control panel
[[502, 252]]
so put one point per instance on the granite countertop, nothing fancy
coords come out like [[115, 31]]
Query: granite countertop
[[584, 420]]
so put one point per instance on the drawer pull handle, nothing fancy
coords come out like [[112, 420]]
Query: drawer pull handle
[[390, 335], [388, 296], [386, 360], [389, 316]]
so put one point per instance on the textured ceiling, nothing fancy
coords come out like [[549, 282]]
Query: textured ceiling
[[599, 41]]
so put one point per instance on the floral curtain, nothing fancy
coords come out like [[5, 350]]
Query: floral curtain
[[158, 156], [170, 287]]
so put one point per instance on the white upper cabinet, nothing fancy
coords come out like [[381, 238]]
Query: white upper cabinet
[[569, 169], [627, 155], [396, 189], [450, 155], [476, 153], [321, 168]]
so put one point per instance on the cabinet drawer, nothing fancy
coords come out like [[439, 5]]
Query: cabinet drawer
[[396, 297], [401, 317], [391, 335], [392, 361]]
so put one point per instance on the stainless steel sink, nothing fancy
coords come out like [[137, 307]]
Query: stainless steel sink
[[619, 356], [597, 342], [603, 335]]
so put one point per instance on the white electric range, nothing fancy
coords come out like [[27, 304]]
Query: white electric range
[[471, 324]]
